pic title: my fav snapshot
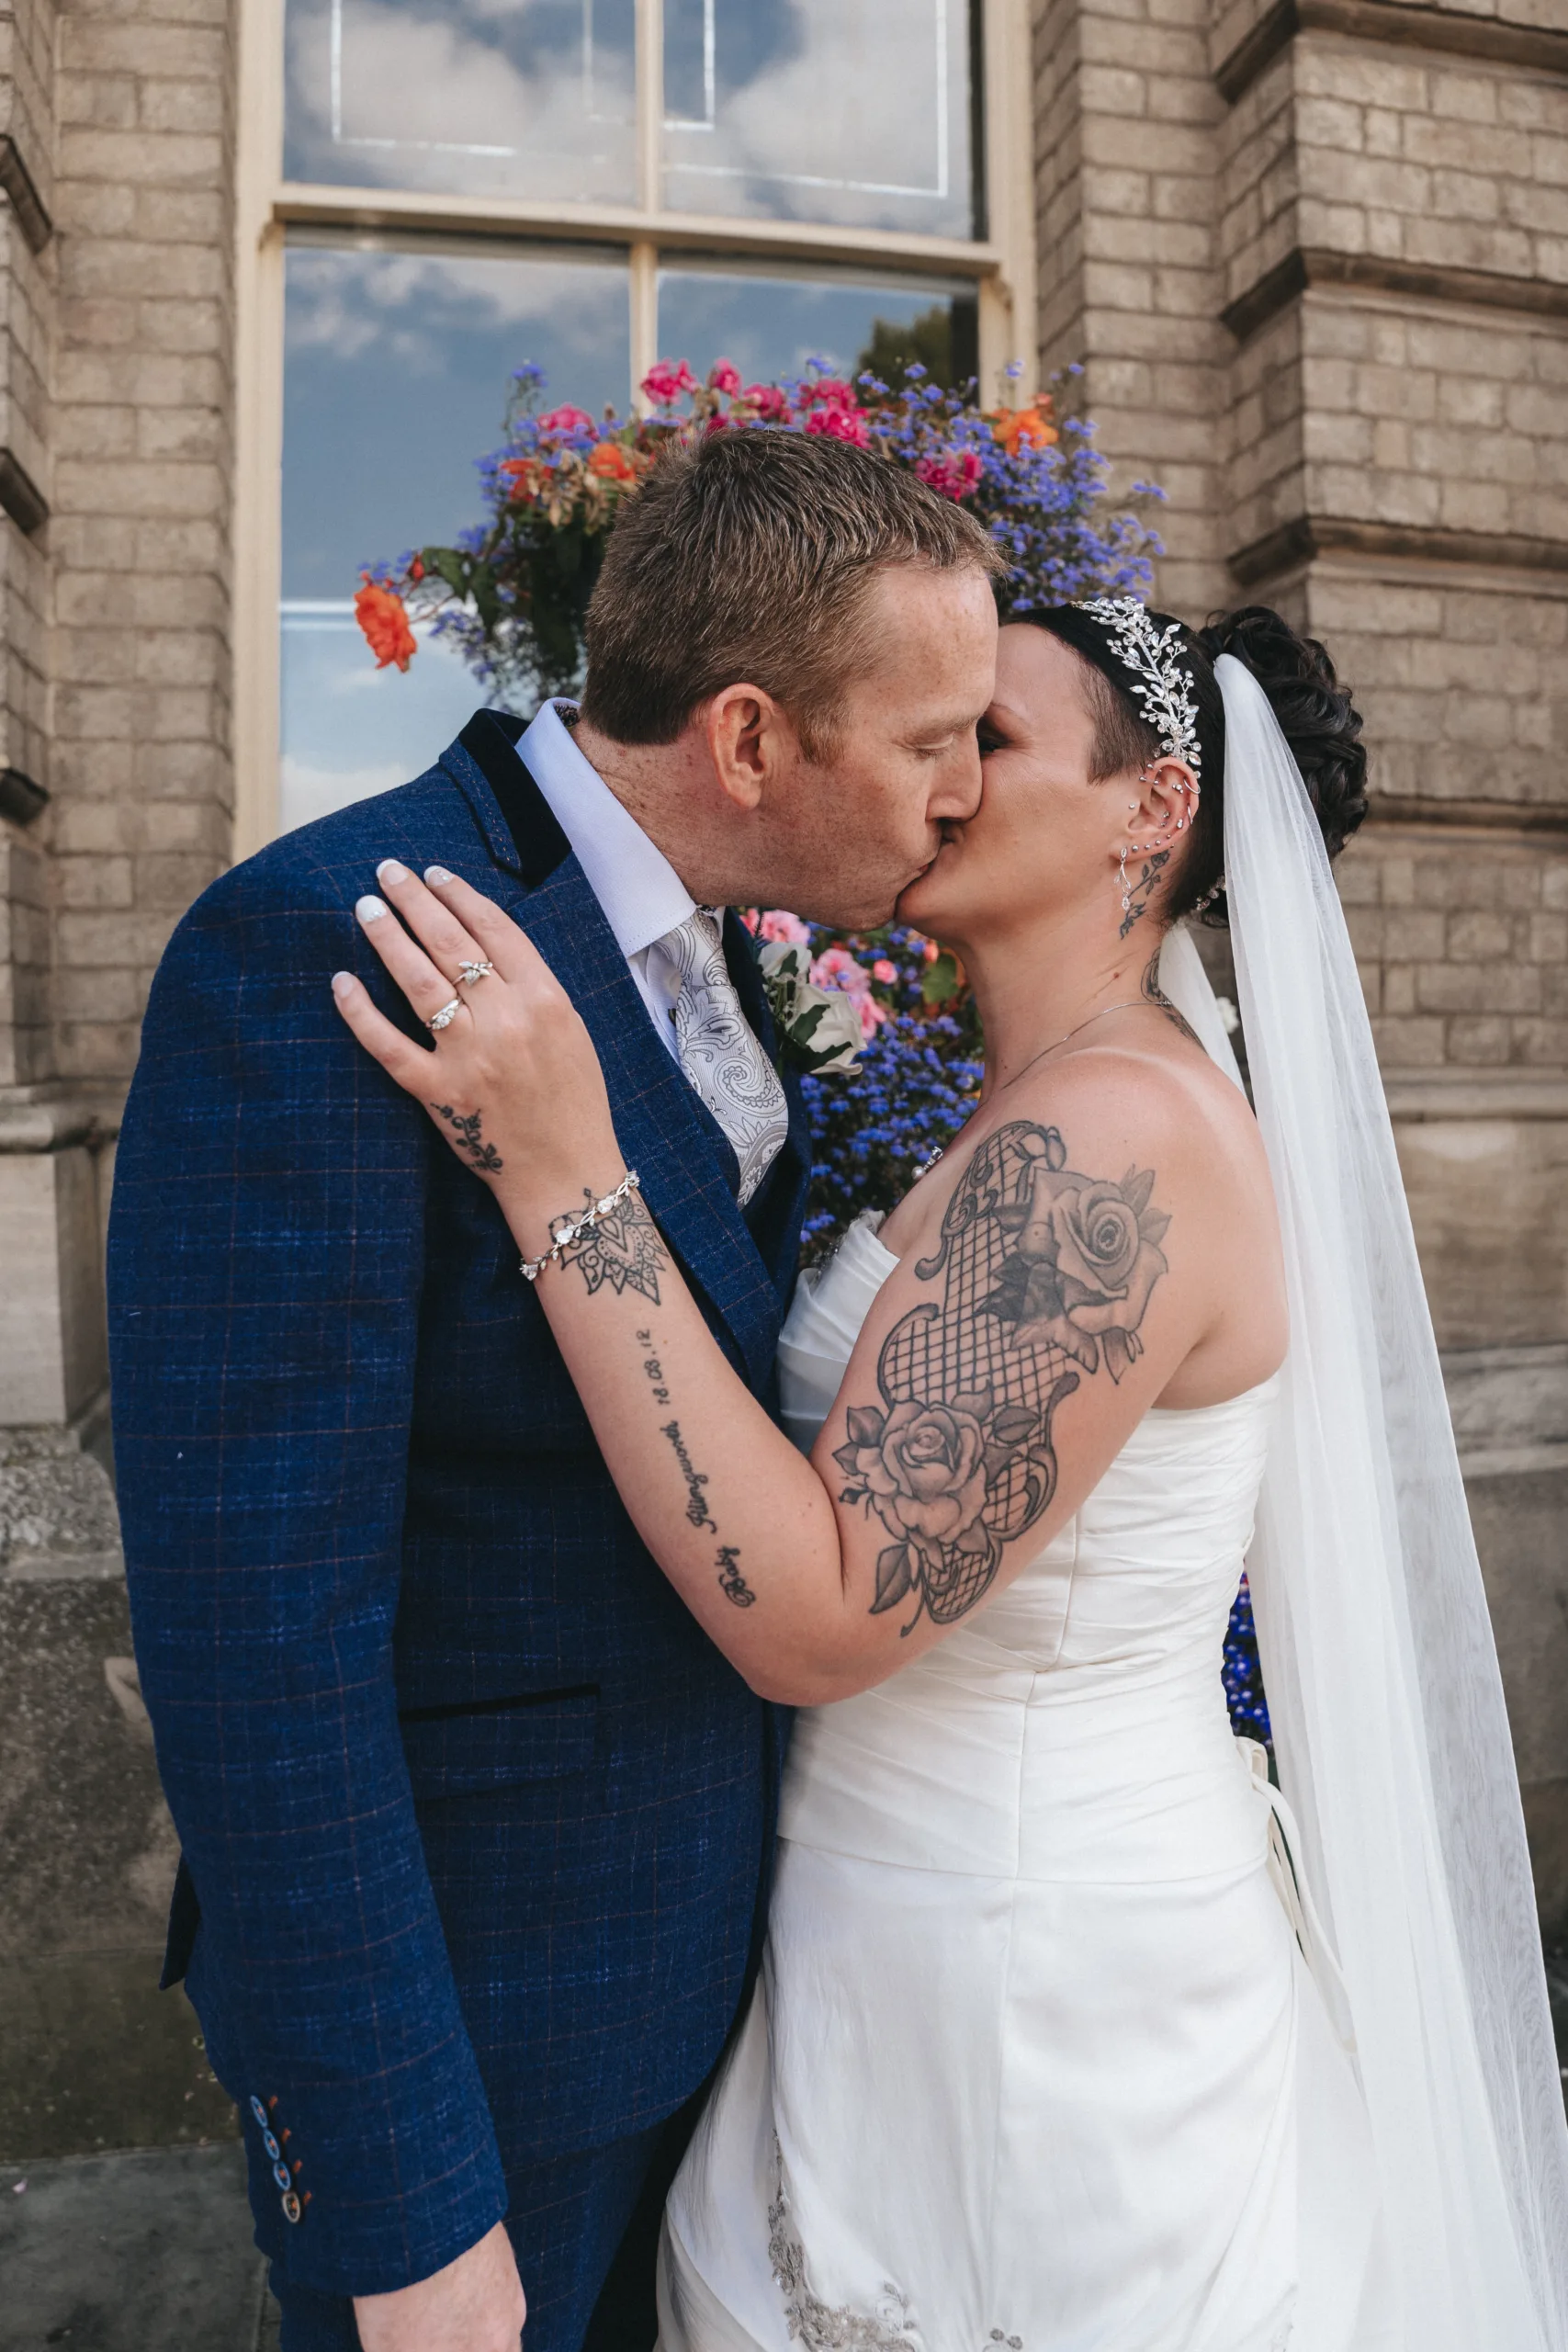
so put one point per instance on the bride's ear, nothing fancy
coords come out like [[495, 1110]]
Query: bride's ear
[[1165, 808]]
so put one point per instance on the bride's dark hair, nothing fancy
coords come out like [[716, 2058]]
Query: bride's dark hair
[[1316, 713]]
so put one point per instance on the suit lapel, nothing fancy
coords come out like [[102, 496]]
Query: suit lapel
[[665, 1130]]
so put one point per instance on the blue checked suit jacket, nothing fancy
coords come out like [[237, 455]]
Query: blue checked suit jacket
[[476, 1821]]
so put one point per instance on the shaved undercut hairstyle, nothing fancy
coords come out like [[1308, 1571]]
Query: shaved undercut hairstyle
[[746, 559]]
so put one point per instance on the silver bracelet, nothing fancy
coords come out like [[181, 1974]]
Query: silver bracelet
[[566, 1236]]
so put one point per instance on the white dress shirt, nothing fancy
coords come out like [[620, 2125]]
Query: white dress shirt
[[641, 894]]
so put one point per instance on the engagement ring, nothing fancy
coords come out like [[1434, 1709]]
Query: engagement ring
[[472, 972], [449, 1012]]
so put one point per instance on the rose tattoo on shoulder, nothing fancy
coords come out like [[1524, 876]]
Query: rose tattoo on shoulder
[[1085, 1258], [1047, 1276]]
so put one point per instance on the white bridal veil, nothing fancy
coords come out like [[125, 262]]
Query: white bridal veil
[[1388, 1724]]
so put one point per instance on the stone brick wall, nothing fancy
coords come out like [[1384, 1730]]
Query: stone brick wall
[[1129, 280], [143, 471]]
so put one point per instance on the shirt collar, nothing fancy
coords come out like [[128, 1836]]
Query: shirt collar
[[641, 892]]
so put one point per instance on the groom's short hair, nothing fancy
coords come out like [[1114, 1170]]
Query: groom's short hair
[[747, 555]]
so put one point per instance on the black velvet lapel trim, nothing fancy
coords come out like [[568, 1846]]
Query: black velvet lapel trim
[[491, 739]]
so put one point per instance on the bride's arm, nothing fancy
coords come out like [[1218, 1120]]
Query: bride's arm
[[816, 1578]]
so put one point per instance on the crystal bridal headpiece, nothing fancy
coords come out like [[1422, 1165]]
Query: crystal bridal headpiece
[[1158, 680]]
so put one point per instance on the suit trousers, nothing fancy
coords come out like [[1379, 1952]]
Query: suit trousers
[[585, 2231]]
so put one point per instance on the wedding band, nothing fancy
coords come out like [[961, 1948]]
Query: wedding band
[[472, 972], [449, 1012]]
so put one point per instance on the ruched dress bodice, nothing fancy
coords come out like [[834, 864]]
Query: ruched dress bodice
[[1030, 1739], [1021, 2067]]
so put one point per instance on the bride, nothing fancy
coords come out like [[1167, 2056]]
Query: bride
[[1073, 2034]]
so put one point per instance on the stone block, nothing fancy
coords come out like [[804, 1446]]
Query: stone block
[[1487, 1198], [54, 1345]]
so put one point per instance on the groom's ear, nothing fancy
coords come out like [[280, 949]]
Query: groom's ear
[[750, 742]]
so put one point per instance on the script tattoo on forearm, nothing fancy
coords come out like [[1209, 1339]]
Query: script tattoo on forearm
[[622, 1249], [468, 1141], [1141, 891], [1154, 994], [1047, 1278], [731, 1582]]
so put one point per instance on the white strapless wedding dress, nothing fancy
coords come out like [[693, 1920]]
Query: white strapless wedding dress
[[1035, 2061]]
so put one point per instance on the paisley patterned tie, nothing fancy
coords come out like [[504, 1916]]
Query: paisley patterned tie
[[717, 1049]]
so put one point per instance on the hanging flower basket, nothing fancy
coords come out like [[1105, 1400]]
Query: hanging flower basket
[[511, 596]]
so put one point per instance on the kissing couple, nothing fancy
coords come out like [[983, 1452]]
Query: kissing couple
[[708, 1809]]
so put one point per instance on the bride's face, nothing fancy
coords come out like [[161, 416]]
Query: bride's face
[[1044, 835]]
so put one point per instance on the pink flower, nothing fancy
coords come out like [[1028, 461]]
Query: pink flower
[[566, 422], [828, 392], [771, 404], [837, 969], [840, 425], [789, 928], [724, 377], [955, 473], [667, 381], [884, 972]]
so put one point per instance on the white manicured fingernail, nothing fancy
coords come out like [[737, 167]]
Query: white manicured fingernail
[[341, 983], [369, 909], [390, 870], [434, 873]]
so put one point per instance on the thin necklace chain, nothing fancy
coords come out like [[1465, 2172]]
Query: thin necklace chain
[[1125, 1004]]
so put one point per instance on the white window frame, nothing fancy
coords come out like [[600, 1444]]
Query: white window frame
[[1000, 267]]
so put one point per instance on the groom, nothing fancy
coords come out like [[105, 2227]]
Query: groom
[[476, 1822]]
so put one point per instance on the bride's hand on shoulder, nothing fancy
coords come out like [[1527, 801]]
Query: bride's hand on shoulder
[[511, 1078]]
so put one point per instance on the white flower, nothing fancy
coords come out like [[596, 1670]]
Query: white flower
[[822, 1027]]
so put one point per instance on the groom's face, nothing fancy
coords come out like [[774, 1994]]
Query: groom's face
[[858, 824]]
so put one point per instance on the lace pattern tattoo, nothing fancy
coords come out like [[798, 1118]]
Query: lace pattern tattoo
[[1047, 1274]]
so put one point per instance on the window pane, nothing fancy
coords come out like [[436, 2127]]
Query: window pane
[[771, 323], [397, 373], [464, 95], [843, 110]]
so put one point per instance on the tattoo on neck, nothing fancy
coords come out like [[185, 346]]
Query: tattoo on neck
[[733, 1583], [468, 1141], [1140, 892], [622, 1249], [1048, 1273], [696, 1480], [1154, 995]]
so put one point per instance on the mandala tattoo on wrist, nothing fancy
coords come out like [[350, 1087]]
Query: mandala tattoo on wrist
[[1047, 1275], [468, 1141], [623, 1248]]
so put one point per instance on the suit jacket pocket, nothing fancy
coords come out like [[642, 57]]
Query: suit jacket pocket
[[533, 1735]]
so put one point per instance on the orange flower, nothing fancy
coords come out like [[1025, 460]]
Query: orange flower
[[612, 463], [1016, 425], [528, 477], [382, 615]]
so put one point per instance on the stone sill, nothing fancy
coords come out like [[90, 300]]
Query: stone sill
[[52, 1118], [1419, 1095]]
